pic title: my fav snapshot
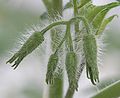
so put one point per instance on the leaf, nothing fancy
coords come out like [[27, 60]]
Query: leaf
[[100, 16], [86, 8], [68, 5], [96, 10], [83, 2], [112, 91], [104, 24]]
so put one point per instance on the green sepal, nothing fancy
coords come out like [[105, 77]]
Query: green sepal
[[71, 67], [104, 24], [52, 64], [90, 52], [29, 46]]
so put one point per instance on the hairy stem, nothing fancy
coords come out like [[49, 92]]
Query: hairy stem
[[66, 23], [47, 4], [53, 25], [70, 93], [78, 19], [75, 15], [69, 37], [55, 90]]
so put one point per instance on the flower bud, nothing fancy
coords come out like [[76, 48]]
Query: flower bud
[[31, 44], [52, 63], [90, 51], [71, 67]]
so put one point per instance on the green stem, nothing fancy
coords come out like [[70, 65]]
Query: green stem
[[55, 90], [112, 91], [78, 19], [47, 3], [66, 23], [75, 15], [53, 25], [70, 93], [69, 37]]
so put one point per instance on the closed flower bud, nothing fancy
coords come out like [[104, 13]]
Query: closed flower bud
[[71, 67], [52, 63], [90, 51], [31, 44]]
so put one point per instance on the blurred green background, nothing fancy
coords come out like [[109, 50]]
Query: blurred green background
[[28, 80]]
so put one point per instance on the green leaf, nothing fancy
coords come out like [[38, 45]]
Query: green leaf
[[104, 24], [83, 2], [86, 8], [68, 5], [112, 91], [97, 10], [100, 17]]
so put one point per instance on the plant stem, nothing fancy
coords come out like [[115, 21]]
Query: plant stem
[[47, 4], [75, 15], [78, 19], [68, 26], [76, 25], [55, 90], [70, 93], [53, 25], [69, 37]]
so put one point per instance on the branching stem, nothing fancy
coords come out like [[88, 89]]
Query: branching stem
[[53, 25], [76, 19], [84, 21]]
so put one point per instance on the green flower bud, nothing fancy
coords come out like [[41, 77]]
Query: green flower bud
[[71, 67], [52, 63], [31, 44], [90, 51]]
